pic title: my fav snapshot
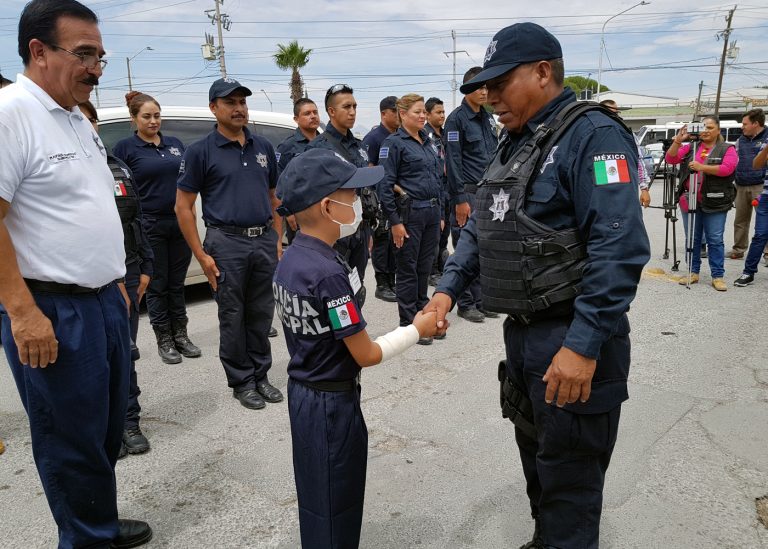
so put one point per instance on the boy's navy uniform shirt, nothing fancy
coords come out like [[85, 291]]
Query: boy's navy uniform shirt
[[353, 148], [470, 141], [415, 166], [290, 147], [315, 301], [567, 194], [155, 169], [233, 180], [372, 142]]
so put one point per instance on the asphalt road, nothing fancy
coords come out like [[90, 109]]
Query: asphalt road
[[443, 468]]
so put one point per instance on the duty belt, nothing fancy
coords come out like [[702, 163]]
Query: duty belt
[[332, 386], [46, 287], [250, 232], [425, 203]]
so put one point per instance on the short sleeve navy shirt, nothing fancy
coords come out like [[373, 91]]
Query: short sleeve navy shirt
[[233, 180], [315, 302], [372, 143], [155, 169]]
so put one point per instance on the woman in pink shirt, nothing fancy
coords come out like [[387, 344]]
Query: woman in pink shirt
[[715, 163]]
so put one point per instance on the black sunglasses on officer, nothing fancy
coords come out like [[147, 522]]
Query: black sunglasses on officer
[[333, 90]]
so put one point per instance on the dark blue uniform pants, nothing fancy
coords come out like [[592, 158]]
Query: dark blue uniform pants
[[442, 245], [565, 467], [165, 295], [330, 453], [472, 297], [132, 285], [414, 261], [76, 410], [383, 253], [246, 304]]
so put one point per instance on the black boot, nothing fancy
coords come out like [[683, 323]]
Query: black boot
[[536, 542], [165, 346], [383, 291], [181, 339]]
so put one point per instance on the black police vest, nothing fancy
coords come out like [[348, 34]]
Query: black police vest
[[717, 193], [526, 267], [127, 206]]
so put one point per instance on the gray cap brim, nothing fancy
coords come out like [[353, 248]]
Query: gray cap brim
[[491, 72]]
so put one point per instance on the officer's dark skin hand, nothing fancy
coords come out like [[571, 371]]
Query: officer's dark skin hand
[[210, 269], [440, 304], [142, 289], [463, 210], [569, 377], [399, 234], [124, 293]]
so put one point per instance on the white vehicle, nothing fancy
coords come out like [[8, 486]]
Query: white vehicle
[[190, 124]]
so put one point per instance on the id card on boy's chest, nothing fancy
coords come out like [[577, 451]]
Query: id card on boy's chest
[[354, 281]]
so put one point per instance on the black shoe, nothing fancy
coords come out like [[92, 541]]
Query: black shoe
[[385, 293], [489, 314], [132, 533], [181, 340], [473, 315], [439, 337], [250, 399], [123, 451], [270, 393], [165, 346], [135, 354], [425, 341], [272, 332], [134, 441], [744, 280]]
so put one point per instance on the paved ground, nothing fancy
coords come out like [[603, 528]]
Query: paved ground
[[443, 469]]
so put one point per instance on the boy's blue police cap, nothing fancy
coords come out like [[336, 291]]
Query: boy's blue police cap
[[513, 46], [316, 173], [224, 87]]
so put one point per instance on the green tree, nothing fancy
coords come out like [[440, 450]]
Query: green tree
[[293, 57], [580, 83]]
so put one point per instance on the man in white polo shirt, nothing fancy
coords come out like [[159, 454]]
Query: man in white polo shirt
[[64, 319]]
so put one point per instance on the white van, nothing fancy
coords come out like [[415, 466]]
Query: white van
[[190, 124]]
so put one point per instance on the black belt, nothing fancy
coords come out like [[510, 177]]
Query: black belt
[[45, 287], [250, 232], [425, 203], [331, 386]]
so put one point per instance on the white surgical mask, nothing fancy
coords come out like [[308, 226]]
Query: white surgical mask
[[348, 229]]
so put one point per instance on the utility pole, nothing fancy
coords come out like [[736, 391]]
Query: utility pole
[[220, 20], [454, 82], [725, 34], [698, 102]]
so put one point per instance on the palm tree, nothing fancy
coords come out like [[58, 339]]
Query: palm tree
[[293, 57]]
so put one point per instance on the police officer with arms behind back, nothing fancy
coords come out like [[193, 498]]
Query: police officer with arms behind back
[[558, 240], [236, 174]]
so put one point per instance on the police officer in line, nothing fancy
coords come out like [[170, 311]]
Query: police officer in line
[[341, 107], [383, 253], [470, 141], [413, 164], [308, 120], [235, 173], [435, 131], [558, 240], [138, 273]]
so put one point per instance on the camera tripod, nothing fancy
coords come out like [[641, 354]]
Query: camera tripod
[[669, 204]]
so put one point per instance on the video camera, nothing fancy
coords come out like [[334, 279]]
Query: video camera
[[694, 131]]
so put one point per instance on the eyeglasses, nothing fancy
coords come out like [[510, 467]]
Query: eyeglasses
[[337, 88], [89, 60]]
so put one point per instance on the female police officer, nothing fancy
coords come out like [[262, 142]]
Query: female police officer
[[138, 273], [410, 159], [154, 159]]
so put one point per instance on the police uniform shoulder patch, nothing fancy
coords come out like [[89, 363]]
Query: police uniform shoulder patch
[[278, 155], [342, 312], [120, 189], [611, 168], [182, 167], [452, 137], [383, 153], [363, 154]]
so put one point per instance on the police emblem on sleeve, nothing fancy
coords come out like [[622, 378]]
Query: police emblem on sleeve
[[500, 205], [550, 159], [490, 51], [174, 151], [262, 160], [364, 155]]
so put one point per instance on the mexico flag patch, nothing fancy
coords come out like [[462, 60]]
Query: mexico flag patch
[[120, 188], [342, 312], [611, 168]]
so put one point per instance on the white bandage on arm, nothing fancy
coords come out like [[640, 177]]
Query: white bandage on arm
[[397, 341]]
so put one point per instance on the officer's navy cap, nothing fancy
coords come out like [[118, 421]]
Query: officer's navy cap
[[513, 46], [316, 173], [224, 87]]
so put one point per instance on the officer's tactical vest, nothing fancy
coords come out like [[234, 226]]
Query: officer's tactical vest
[[526, 267], [128, 207]]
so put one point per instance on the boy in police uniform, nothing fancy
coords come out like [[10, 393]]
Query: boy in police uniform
[[315, 295]]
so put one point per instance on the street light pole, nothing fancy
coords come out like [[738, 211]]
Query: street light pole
[[602, 45], [128, 64], [268, 99]]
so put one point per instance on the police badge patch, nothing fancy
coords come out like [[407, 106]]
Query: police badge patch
[[262, 160], [490, 51], [174, 151], [500, 205]]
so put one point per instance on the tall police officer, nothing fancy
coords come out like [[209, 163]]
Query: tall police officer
[[559, 243], [341, 107], [435, 131], [383, 253], [470, 141], [308, 120], [236, 174]]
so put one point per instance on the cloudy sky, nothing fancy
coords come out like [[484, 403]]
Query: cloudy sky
[[394, 47]]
